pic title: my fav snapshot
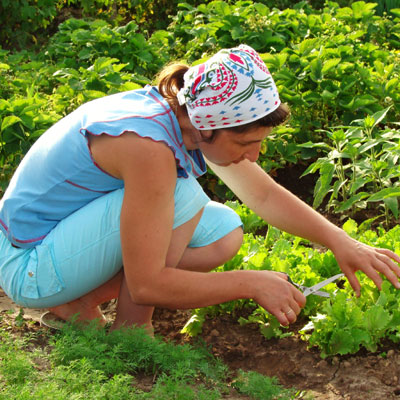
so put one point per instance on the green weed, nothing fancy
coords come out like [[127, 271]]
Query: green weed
[[261, 387], [360, 167], [92, 364]]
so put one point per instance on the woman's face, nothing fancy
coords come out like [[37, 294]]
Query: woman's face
[[231, 147]]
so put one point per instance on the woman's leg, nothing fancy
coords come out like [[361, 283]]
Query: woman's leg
[[87, 307], [201, 259], [205, 259], [130, 313], [89, 255], [214, 235], [84, 257]]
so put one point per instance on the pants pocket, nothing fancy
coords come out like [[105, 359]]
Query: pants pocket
[[40, 275]]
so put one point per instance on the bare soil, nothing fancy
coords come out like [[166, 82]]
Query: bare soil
[[359, 377]]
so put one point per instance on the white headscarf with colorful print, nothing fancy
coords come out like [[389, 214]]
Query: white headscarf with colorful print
[[232, 88]]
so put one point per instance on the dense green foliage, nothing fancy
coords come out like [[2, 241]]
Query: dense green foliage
[[23, 21], [335, 66], [373, 157]]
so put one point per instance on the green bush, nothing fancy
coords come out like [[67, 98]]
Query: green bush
[[20, 20], [78, 43], [333, 67]]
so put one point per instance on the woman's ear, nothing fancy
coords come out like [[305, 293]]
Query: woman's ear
[[206, 134]]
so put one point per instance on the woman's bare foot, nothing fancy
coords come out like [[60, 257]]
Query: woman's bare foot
[[79, 309], [87, 306]]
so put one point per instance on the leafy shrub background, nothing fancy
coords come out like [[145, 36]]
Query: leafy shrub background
[[333, 65], [20, 20]]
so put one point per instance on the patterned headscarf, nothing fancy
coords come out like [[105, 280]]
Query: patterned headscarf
[[232, 88]]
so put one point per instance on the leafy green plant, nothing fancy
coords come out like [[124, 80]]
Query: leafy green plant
[[78, 43], [269, 326], [15, 367], [386, 6], [346, 324], [219, 24], [360, 167], [95, 365], [336, 76], [22, 19], [102, 78], [280, 149], [22, 121], [149, 15], [132, 350], [23, 73], [261, 387], [251, 221]]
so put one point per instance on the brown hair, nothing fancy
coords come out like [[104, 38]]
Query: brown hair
[[170, 81]]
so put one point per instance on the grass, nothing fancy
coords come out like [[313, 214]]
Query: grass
[[92, 364]]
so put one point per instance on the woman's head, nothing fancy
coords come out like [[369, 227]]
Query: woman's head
[[233, 90]]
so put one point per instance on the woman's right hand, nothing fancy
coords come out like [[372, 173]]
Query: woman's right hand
[[278, 296]]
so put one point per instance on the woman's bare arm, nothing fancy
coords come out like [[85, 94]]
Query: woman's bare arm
[[280, 208], [149, 172]]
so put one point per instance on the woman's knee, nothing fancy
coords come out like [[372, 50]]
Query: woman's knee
[[180, 239], [228, 246], [206, 258], [215, 237]]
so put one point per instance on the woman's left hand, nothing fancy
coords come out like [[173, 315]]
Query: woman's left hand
[[353, 256]]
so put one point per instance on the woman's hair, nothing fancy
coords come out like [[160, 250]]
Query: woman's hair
[[170, 81]]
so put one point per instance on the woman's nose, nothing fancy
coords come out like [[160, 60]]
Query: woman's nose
[[253, 153]]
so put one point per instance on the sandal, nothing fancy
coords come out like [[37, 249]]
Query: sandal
[[51, 321]]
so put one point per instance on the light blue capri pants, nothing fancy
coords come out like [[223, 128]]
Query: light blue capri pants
[[84, 250]]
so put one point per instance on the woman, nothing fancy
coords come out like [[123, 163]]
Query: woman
[[106, 203]]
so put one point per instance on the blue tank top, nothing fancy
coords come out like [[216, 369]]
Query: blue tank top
[[58, 174]]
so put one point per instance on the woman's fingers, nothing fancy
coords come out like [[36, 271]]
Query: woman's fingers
[[382, 261], [279, 297], [287, 317], [299, 298], [289, 312], [390, 254], [385, 266], [294, 306], [374, 262], [389, 266]]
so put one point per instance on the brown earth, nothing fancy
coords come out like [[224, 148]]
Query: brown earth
[[363, 376]]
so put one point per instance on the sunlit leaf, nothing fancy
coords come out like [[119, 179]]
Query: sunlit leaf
[[9, 121]]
